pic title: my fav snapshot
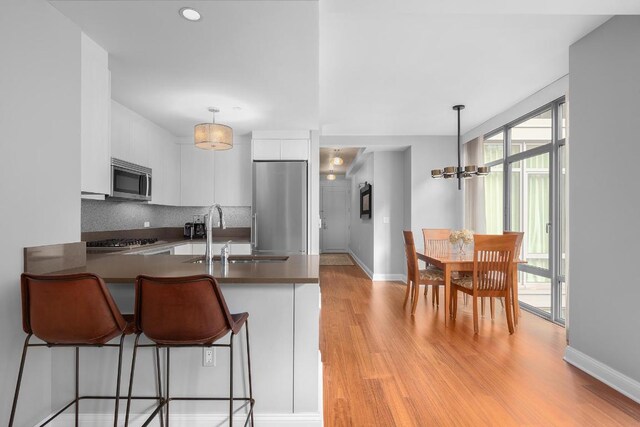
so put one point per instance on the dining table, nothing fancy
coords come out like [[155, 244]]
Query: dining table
[[453, 261]]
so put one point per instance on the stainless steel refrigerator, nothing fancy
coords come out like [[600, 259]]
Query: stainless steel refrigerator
[[279, 208]]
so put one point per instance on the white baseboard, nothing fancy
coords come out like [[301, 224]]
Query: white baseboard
[[362, 265], [614, 379], [196, 420], [389, 278]]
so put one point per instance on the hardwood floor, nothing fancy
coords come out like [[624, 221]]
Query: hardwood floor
[[384, 368]]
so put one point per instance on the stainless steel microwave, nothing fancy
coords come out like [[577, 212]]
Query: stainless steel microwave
[[130, 181]]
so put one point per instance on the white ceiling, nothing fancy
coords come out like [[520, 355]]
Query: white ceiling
[[356, 67], [261, 56]]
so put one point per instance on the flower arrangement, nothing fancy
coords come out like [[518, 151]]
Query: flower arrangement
[[461, 238]]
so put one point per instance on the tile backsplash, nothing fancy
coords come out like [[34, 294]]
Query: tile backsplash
[[104, 215]]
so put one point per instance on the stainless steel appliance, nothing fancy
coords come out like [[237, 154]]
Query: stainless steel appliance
[[130, 181], [115, 245], [279, 208]]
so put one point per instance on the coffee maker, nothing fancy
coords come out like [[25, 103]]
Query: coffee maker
[[195, 229]]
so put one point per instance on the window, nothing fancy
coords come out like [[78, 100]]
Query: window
[[526, 192]]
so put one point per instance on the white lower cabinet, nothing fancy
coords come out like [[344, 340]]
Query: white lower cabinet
[[198, 248]]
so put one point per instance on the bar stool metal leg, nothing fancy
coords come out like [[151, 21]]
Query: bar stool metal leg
[[77, 400], [251, 402], [117, 399], [159, 385], [168, 376], [18, 383], [133, 369], [231, 381]]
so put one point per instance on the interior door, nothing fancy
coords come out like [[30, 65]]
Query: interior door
[[335, 219]]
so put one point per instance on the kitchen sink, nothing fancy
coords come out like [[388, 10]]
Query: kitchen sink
[[244, 259]]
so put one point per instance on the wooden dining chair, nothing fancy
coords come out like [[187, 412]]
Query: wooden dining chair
[[415, 276], [436, 240], [492, 267], [514, 297], [515, 300]]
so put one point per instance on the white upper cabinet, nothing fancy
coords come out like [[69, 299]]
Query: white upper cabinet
[[232, 176], [280, 145], [171, 169], [95, 96], [266, 149], [135, 139], [131, 135], [196, 176], [120, 132], [294, 149]]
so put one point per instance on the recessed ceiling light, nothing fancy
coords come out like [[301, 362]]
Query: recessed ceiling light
[[190, 14]]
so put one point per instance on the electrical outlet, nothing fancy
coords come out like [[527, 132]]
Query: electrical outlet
[[208, 357], [147, 224]]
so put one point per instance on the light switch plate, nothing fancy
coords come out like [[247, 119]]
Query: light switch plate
[[147, 224], [385, 219]]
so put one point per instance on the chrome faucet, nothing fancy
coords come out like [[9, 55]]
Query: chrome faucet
[[224, 255], [208, 255]]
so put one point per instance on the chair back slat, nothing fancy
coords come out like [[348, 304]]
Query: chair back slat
[[436, 240], [412, 258], [492, 261]]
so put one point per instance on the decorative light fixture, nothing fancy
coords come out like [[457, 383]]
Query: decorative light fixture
[[337, 160], [459, 172], [213, 136], [331, 176]]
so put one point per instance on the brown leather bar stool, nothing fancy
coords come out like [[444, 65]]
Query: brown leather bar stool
[[71, 311], [186, 312]]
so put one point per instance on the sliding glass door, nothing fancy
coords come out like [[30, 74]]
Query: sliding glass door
[[525, 192]]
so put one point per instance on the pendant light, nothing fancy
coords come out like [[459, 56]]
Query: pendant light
[[337, 160], [331, 176], [460, 172], [213, 136]]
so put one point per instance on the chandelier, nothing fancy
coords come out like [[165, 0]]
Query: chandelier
[[460, 172]]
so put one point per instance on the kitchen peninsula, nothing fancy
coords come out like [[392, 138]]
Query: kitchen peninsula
[[282, 296]]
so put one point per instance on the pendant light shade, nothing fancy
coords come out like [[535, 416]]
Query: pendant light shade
[[213, 136]]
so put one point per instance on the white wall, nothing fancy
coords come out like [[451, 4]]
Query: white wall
[[428, 202], [604, 288], [388, 215], [40, 174], [361, 238]]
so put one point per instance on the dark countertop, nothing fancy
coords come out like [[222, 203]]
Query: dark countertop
[[119, 268]]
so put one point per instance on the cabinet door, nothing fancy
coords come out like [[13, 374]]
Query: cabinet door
[[186, 249], [95, 99], [266, 149], [196, 176], [240, 249], [199, 248], [141, 137], [233, 176], [158, 185], [295, 149], [120, 132], [171, 168]]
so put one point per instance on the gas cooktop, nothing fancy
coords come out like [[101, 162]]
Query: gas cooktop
[[120, 243]]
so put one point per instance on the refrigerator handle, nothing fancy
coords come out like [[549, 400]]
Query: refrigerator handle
[[255, 231]]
